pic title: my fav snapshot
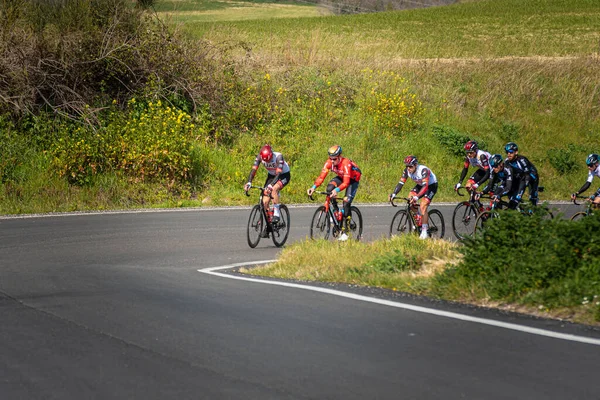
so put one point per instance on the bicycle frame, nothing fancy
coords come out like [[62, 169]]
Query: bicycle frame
[[325, 225], [436, 226], [264, 212], [411, 212], [328, 209]]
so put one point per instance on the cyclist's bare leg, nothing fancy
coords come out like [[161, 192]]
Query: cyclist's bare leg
[[424, 205]]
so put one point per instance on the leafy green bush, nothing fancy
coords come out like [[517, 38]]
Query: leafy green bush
[[531, 259], [452, 140], [153, 142], [563, 160]]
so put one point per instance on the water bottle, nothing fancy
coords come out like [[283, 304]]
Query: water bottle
[[270, 213], [338, 215], [418, 217]]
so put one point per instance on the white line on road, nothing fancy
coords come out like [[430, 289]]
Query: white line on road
[[447, 314]]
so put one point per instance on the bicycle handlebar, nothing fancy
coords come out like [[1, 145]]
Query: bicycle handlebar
[[262, 190], [317, 192], [403, 198], [579, 197]]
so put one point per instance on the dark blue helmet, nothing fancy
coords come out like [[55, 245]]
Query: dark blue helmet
[[511, 147], [592, 160], [496, 160]]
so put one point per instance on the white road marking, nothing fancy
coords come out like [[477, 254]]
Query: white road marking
[[447, 314]]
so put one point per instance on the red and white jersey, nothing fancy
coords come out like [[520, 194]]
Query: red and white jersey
[[481, 160], [422, 176], [274, 166], [592, 173]]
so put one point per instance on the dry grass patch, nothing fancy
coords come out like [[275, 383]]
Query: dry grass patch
[[402, 263]]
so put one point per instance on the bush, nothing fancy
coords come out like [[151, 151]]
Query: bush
[[531, 259], [154, 142], [453, 141], [391, 103], [563, 160]]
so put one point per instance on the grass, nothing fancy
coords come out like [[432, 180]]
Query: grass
[[479, 30], [402, 263], [191, 13], [410, 265]]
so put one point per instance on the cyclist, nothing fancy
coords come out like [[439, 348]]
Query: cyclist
[[502, 182], [525, 170], [348, 177], [426, 188], [474, 158], [594, 170], [278, 176]]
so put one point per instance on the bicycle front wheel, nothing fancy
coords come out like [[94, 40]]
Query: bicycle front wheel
[[436, 228], [483, 219], [355, 224], [463, 220], [578, 216], [400, 224], [256, 224], [320, 225], [281, 229]]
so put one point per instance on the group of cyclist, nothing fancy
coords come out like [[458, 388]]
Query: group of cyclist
[[506, 177]]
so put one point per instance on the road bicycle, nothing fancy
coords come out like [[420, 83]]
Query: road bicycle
[[260, 223], [408, 220], [328, 224], [525, 208], [589, 210], [466, 213]]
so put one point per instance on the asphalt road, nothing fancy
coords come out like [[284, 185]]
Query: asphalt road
[[112, 306]]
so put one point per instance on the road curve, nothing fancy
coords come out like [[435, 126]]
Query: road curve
[[113, 306]]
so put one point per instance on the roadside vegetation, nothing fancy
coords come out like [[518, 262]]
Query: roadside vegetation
[[548, 268], [80, 86]]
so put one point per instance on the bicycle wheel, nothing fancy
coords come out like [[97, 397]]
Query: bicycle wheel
[[436, 228], [463, 220], [355, 225], [320, 225], [256, 224], [401, 224], [578, 216], [281, 229], [483, 219]]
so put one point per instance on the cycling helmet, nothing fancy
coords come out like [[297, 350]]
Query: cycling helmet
[[266, 153], [471, 145], [592, 160], [335, 151], [496, 160], [410, 161], [511, 147]]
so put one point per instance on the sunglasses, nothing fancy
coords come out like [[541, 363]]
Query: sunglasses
[[510, 151], [334, 158]]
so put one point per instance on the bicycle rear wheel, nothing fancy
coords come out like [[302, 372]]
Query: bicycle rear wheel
[[320, 225], [436, 228], [281, 229], [463, 220], [401, 224], [256, 224], [355, 225]]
